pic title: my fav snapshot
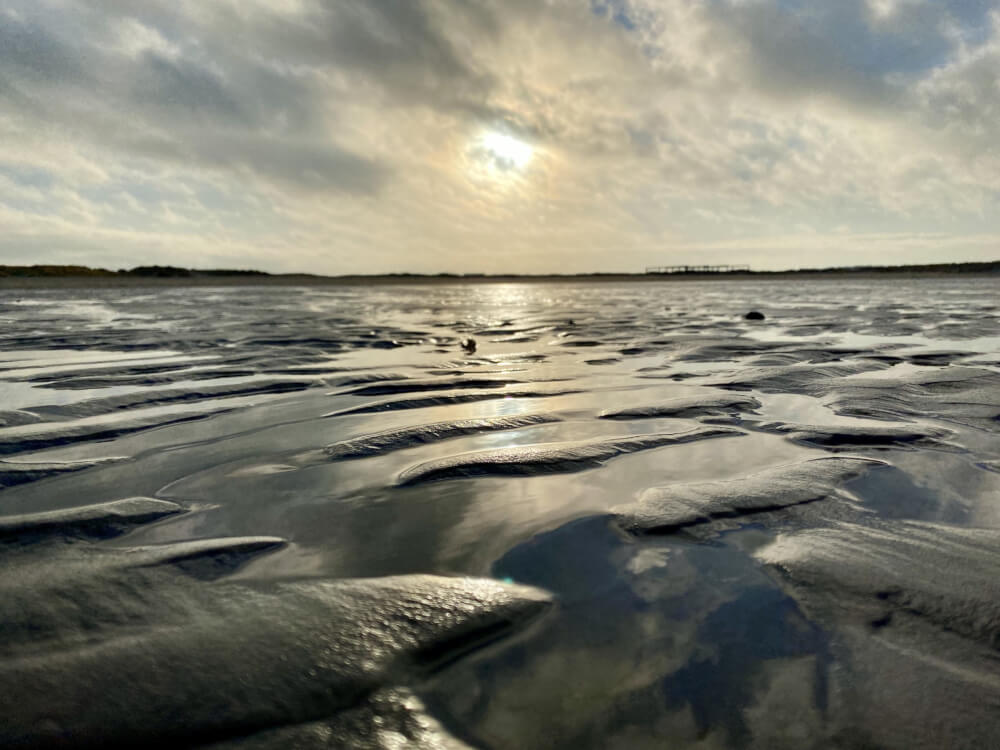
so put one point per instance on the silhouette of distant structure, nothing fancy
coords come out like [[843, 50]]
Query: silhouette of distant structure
[[697, 269]]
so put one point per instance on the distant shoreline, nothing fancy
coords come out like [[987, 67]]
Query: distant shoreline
[[47, 277]]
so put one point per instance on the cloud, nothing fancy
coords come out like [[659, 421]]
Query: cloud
[[340, 135]]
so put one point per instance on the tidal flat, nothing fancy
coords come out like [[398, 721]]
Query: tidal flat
[[277, 517]]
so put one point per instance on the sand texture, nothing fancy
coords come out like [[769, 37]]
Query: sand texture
[[628, 517]]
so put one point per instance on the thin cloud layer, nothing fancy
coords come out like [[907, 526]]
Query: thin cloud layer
[[367, 136]]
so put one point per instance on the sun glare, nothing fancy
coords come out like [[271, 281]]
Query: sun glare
[[504, 151]]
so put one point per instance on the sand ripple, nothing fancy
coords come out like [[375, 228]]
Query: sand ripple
[[278, 517], [559, 458], [665, 509]]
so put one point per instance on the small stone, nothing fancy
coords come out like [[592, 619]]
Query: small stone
[[754, 315], [469, 345]]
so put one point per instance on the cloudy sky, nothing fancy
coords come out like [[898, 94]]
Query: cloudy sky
[[345, 136]]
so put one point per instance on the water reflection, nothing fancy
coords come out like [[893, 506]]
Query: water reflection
[[680, 639], [676, 641]]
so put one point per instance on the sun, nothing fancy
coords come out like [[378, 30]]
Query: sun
[[504, 152]]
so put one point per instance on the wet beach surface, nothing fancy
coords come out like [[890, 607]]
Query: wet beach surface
[[631, 518]]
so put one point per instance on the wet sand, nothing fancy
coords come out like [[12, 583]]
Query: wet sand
[[306, 517]]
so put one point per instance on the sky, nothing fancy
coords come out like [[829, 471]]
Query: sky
[[498, 136]]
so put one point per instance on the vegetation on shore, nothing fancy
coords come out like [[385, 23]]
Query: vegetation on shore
[[161, 272], [249, 275]]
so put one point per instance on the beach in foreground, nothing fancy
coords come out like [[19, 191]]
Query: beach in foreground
[[279, 516]]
